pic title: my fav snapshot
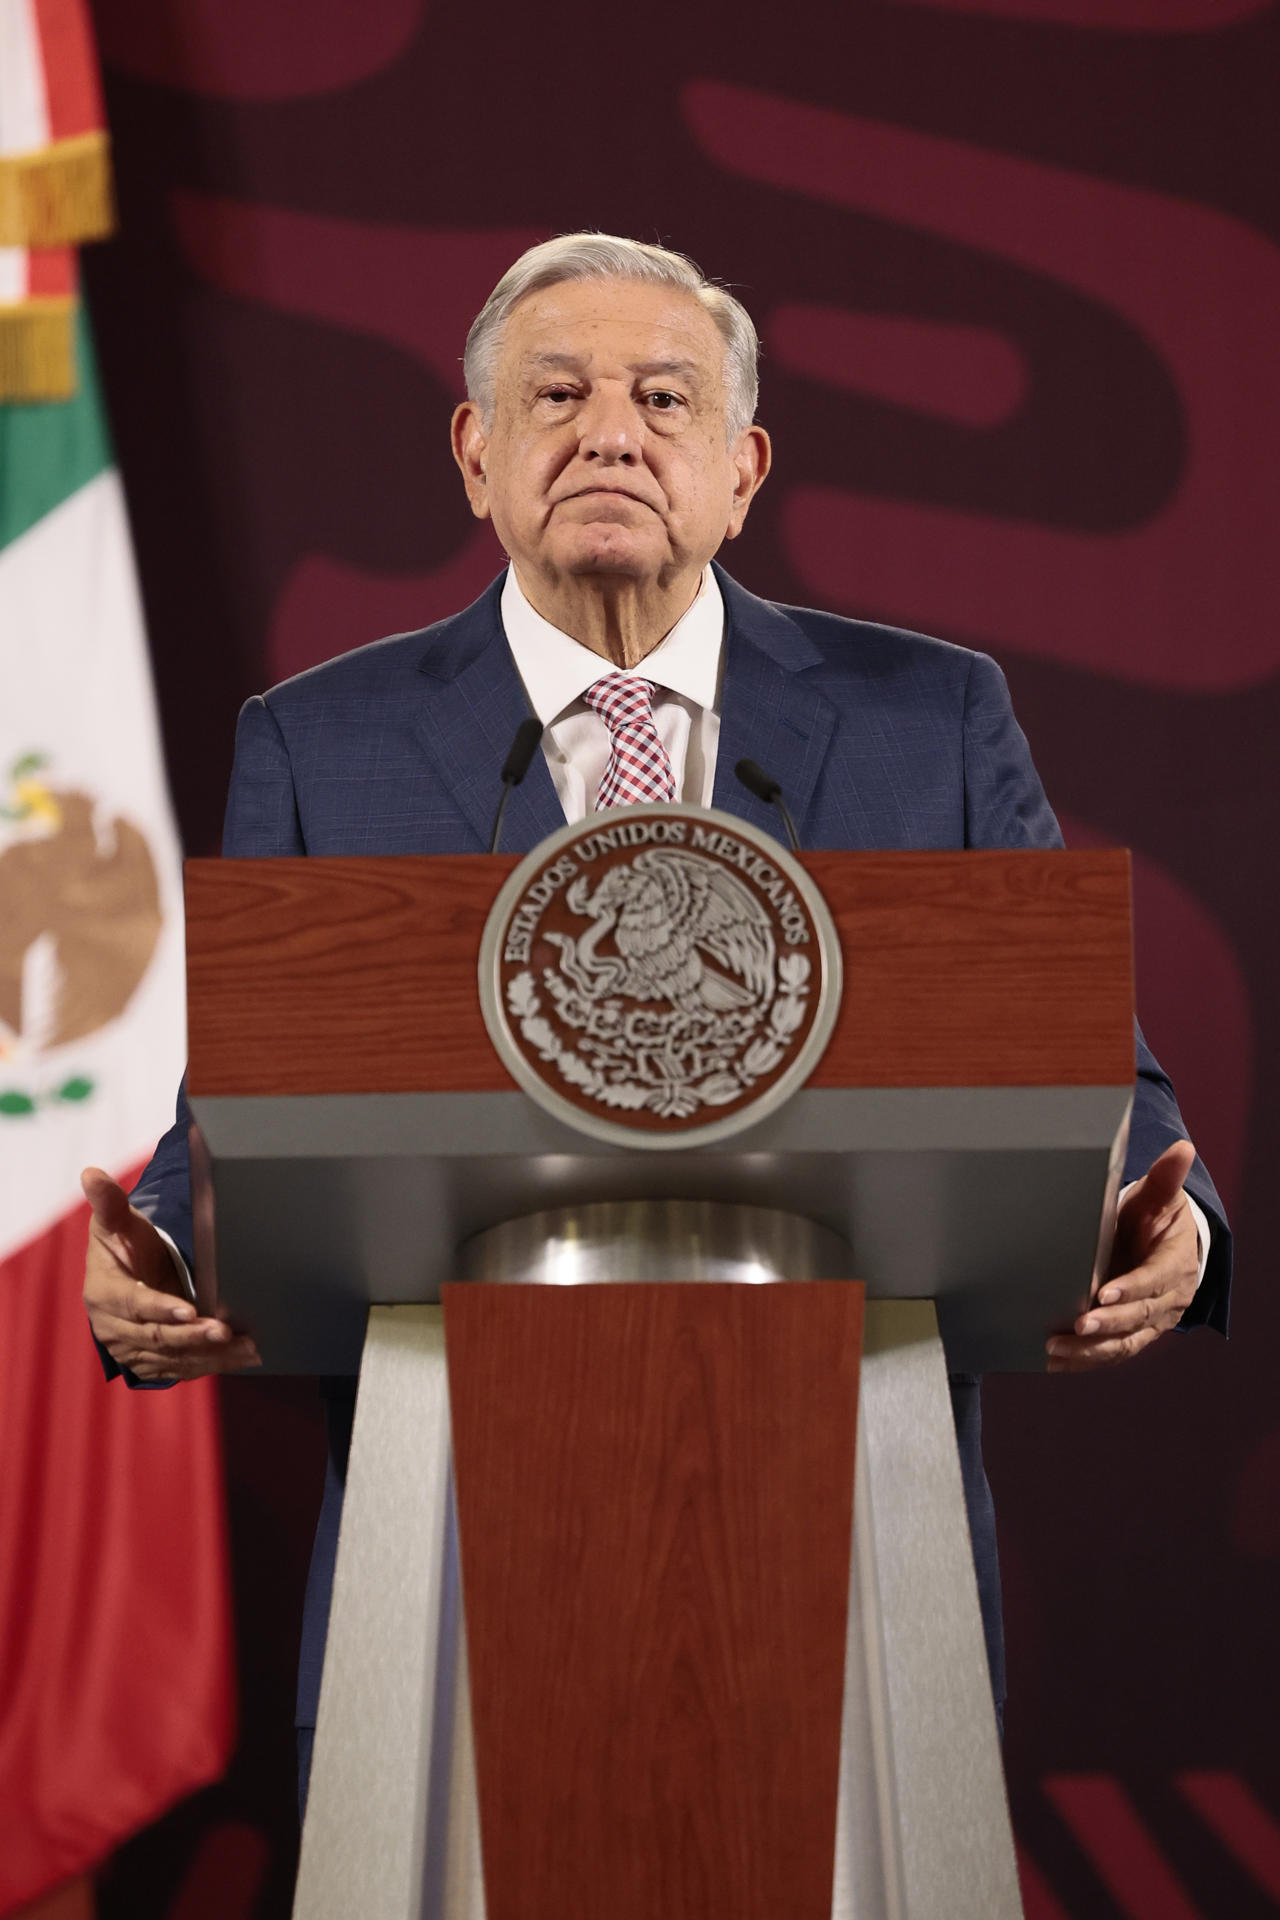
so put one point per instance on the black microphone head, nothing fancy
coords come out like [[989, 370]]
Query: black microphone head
[[757, 781], [523, 748]]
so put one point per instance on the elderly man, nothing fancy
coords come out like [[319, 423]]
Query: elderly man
[[609, 434]]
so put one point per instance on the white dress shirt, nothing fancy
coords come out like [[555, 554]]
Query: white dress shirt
[[685, 671]]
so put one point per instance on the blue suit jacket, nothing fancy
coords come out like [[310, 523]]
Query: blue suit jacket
[[880, 739]]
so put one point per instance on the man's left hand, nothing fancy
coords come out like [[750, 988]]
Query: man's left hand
[[1155, 1267]]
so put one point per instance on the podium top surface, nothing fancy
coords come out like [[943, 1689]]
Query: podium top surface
[[358, 975]]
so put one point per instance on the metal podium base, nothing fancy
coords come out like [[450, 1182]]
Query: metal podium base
[[392, 1830]]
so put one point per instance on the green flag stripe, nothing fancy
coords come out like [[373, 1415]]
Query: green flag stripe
[[50, 449]]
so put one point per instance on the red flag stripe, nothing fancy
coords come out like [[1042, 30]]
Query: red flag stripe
[[115, 1677], [51, 272], [72, 86]]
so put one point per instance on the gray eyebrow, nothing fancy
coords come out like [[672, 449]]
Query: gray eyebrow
[[574, 363], [685, 367]]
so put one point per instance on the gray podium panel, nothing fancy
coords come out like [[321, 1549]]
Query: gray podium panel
[[987, 1199], [392, 1827], [923, 1825]]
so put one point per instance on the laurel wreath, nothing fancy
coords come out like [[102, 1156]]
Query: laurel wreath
[[15, 1104], [786, 1016]]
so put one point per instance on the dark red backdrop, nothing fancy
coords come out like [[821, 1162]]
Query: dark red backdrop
[[1017, 269]]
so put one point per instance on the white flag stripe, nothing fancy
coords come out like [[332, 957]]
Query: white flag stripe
[[75, 687], [14, 277], [24, 101]]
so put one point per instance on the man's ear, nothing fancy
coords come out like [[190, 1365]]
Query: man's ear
[[470, 443], [752, 458]]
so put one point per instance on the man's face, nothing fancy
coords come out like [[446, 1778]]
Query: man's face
[[607, 453]]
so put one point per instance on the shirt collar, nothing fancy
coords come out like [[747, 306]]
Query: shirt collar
[[557, 669]]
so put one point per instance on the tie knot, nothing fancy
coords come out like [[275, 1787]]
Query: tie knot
[[621, 699], [639, 766]]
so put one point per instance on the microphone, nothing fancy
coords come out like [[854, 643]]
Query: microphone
[[757, 781], [515, 767]]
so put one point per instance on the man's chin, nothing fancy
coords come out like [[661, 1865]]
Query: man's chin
[[605, 558]]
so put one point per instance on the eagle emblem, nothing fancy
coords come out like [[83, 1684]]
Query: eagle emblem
[[80, 917], [662, 972], [683, 929]]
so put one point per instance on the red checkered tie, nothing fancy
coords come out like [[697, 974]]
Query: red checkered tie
[[638, 768]]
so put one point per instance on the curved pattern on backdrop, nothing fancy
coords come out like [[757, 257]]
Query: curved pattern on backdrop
[[1132, 601], [243, 50], [418, 290]]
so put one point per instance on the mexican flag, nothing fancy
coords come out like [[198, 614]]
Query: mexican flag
[[115, 1682]]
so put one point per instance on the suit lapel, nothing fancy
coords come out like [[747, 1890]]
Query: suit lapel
[[767, 711], [768, 714], [467, 726]]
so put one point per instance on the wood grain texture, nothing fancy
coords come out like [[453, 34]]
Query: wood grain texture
[[339, 975], [980, 969], [359, 975], [655, 1496]]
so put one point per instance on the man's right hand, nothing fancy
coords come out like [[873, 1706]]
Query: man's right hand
[[133, 1295]]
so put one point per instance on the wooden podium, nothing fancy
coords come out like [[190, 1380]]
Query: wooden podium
[[697, 1675]]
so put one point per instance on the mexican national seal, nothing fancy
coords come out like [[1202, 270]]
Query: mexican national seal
[[660, 975]]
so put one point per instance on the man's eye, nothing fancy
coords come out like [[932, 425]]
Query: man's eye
[[558, 394], [664, 402]]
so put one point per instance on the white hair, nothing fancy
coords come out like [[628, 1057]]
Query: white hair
[[606, 256]]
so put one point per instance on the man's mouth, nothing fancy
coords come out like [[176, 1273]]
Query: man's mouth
[[609, 493]]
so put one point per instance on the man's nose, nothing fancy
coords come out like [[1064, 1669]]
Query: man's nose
[[610, 427]]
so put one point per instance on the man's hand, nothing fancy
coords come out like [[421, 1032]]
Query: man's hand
[[1155, 1265], [134, 1298]]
